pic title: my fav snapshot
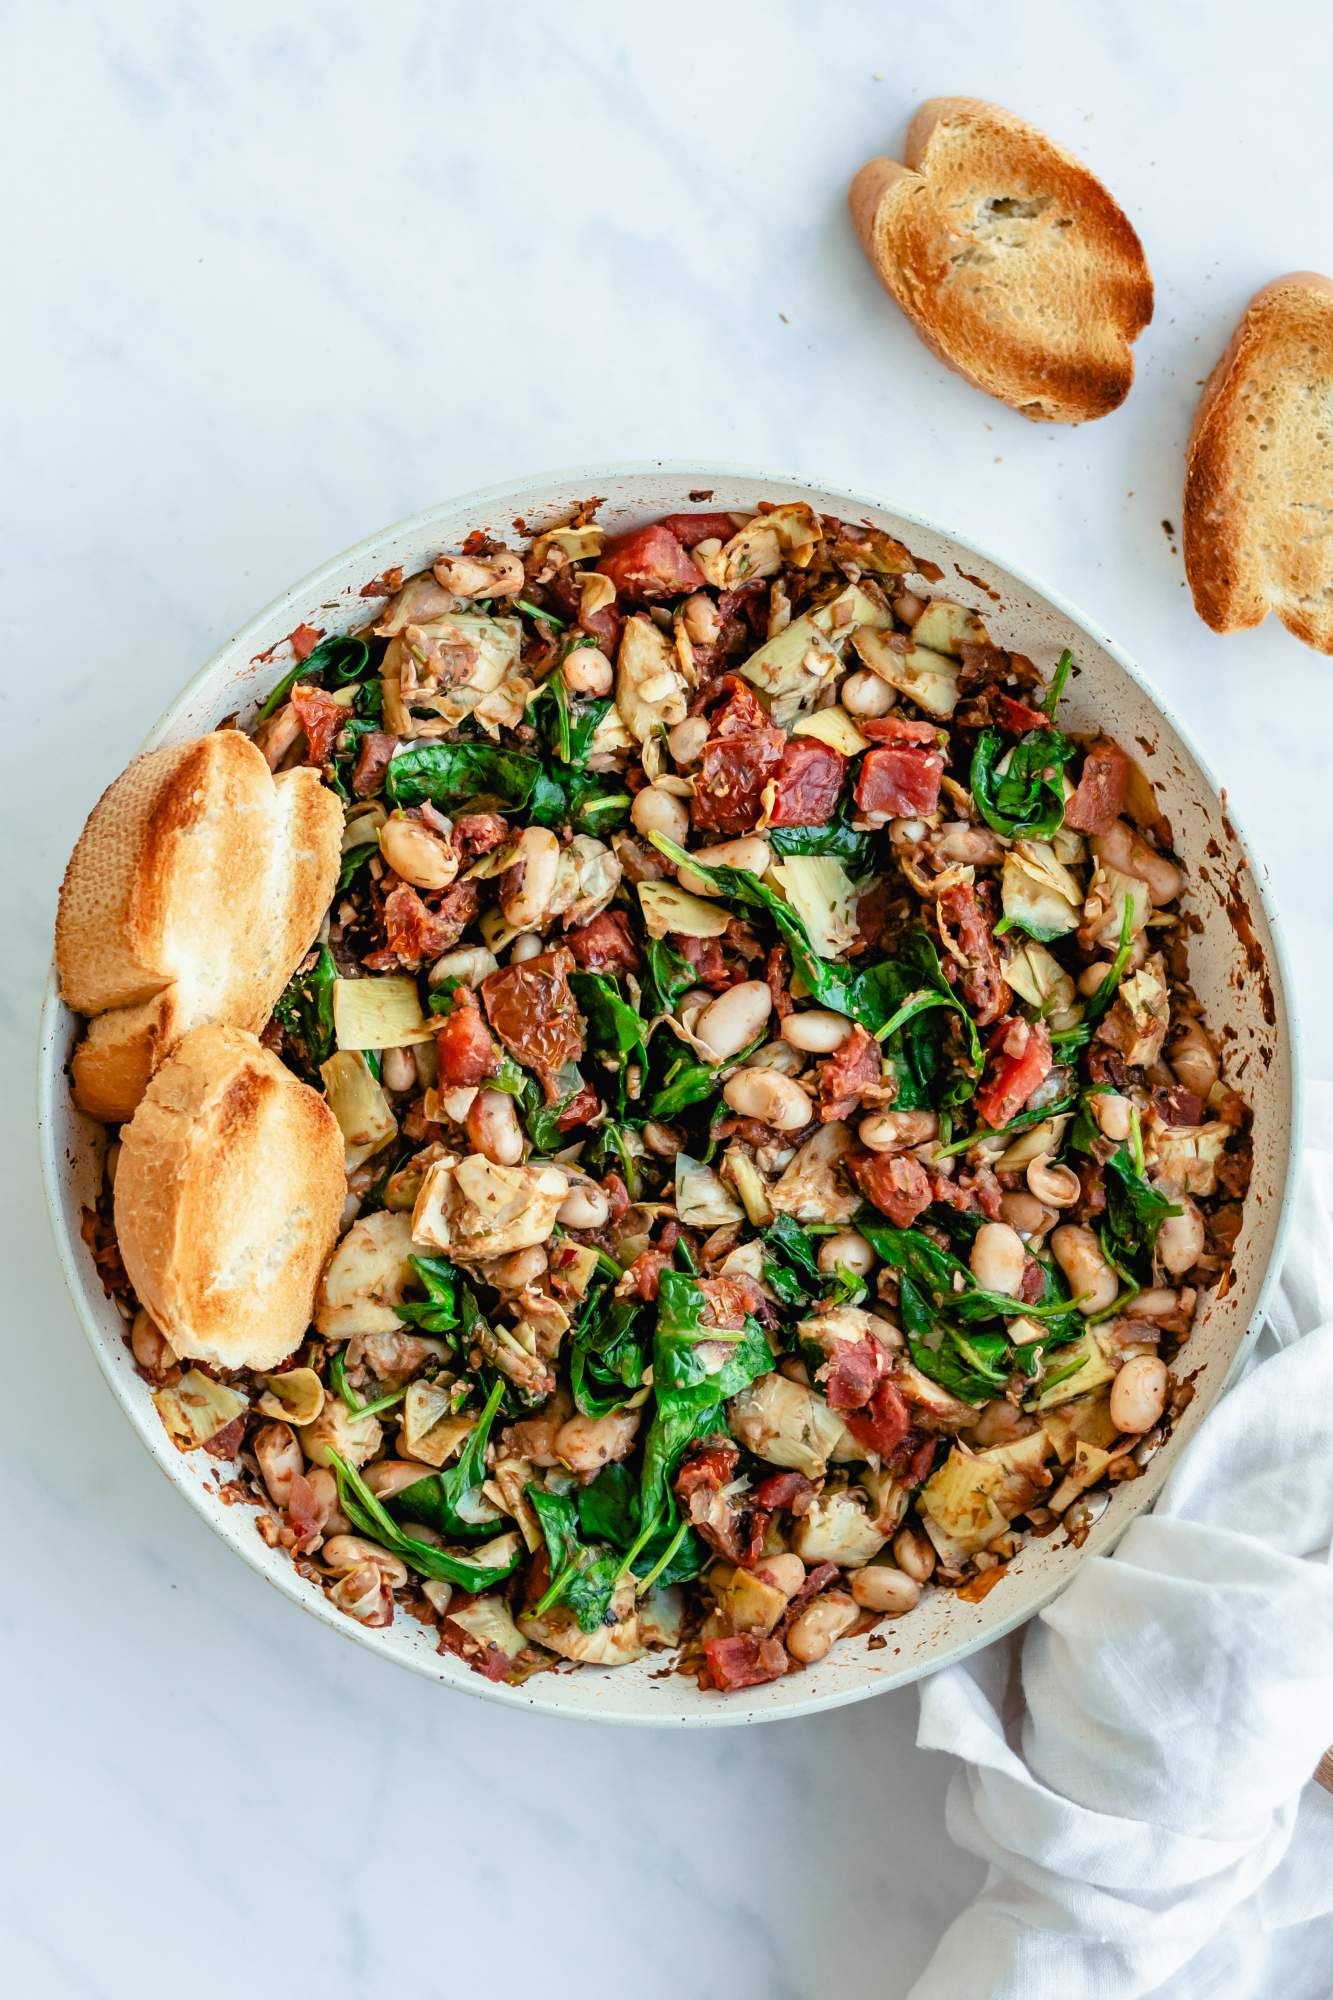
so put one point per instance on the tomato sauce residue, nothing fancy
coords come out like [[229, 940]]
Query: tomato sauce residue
[[981, 1586]]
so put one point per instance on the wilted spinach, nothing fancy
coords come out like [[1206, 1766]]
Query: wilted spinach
[[305, 1013], [1135, 1211], [371, 1518], [452, 774], [583, 1576], [438, 1499], [614, 1026], [440, 1311], [1026, 800]]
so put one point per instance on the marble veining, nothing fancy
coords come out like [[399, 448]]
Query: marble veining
[[278, 277]]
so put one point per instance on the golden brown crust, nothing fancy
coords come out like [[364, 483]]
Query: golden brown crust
[[1259, 468], [192, 893], [1012, 261], [228, 1198]]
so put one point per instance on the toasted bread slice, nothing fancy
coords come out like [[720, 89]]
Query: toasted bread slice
[[1010, 259], [196, 886], [229, 1192], [1259, 468]]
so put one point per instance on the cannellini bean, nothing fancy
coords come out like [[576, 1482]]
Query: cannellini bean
[[437, 1594], [398, 1069], [896, 1131], [1123, 849], [701, 619], [324, 1486], [816, 1030], [969, 846], [1138, 1394], [1156, 1302], [1111, 1114], [348, 1552], [421, 857], [280, 1459], [655, 811], [493, 1127], [864, 693], [1057, 1186], [519, 1268], [691, 1005], [914, 1554], [472, 963], [880, 1587], [1092, 976], [388, 1477], [734, 1020], [813, 1633], [780, 1056], [998, 1259], [586, 1444], [768, 1096], [1180, 1241], [150, 1346], [751, 852], [530, 945], [849, 1248], [786, 1572], [686, 740], [1193, 1058], [1025, 1213], [662, 1141], [1079, 1255], [586, 1206], [587, 670], [529, 881]]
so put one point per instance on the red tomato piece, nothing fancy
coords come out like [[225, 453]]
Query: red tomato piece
[[898, 1185], [1017, 716], [733, 771], [691, 529], [605, 944], [809, 782], [463, 1042], [746, 1660], [649, 563], [898, 729], [884, 1424], [900, 783], [1099, 797], [1020, 1054]]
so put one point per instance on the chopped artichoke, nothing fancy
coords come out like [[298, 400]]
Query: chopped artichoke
[[488, 1621], [823, 895], [1090, 1462], [702, 1202], [357, 1100], [934, 1405], [1185, 1157], [793, 667], [746, 1601], [947, 627], [650, 689], [295, 1398], [812, 1187], [1088, 1368], [355, 1439], [378, 1014], [616, 1643], [472, 1209], [366, 1277], [749, 1184], [972, 1497], [928, 679], [1087, 1420], [790, 533], [196, 1408], [1109, 893], [836, 728], [1140, 1014], [1038, 892], [789, 1425], [432, 1431], [837, 1528], [667, 908], [1039, 978]]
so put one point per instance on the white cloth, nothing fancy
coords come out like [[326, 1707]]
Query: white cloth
[[1145, 1806]]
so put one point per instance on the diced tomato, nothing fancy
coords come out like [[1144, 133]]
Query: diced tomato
[[582, 1106], [900, 783], [809, 781], [847, 1074], [321, 717], [606, 944], [649, 563], [791, 1490], [532, 1010], [740, 714], [884, 1424], [413, 930], [372, 762], [1017, 716], [1020, 1057], [463, 1042], [898, 1185], [746, 1660], [303, 641], [728, 795], [853, 1372], [691, 529], [1099, 797], [899, 729], [984, 984]]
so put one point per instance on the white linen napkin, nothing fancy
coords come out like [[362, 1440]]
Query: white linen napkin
[[1144, 1803]]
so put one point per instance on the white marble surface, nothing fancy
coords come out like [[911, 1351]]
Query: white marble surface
[[276, 276]]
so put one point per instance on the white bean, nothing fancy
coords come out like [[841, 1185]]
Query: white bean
[[752, 852], [914, 1554], [1110, 1114], [529, 880], [686, 740], [1025, 1213], [587, 671], [701, 619], [849, 1248], [586, 1206], [655, 811], [493, 1127], [864, 693], [780, 1056], [418, 855], [1193, 1058], [732, 1021], [1058, 1187], [813, 1633], [786, 1572], [151, 1348], [998, 1259], [398, 1069], [530, 945], [896, 1131], [519, 1268], [1180, 1241], [770, 1097], [816, 1030], [586, 1444], [1079, 1255], [1123, 849], [880, 1587], [280, 1458], [1138, 1394], [348, 1552], [472, 963], [662, 1141]]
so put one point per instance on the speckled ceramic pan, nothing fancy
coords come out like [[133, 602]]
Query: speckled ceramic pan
[[1236, 966]]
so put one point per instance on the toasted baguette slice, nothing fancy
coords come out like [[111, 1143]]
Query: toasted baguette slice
[[228, 1196], [1010, 259], [1259, 468], [196, 886]]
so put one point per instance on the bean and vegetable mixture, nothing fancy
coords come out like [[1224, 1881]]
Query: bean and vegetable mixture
[[784, 1154]]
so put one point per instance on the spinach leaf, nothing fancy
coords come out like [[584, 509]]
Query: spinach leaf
[[610, 1147], [439, 1312], [583, 1577], [1135, 1212], [680, 1365], [566, 726], [1026, 801], [608, 1354], [438, 1500], [451, 774], [1019, 1123], [305, 1012], [667, 974], [927, 1032], [855, 849], [791, 1267], [1051, 700], [609, 1506], [371, 1518], [613, 1024], [354, 861]]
